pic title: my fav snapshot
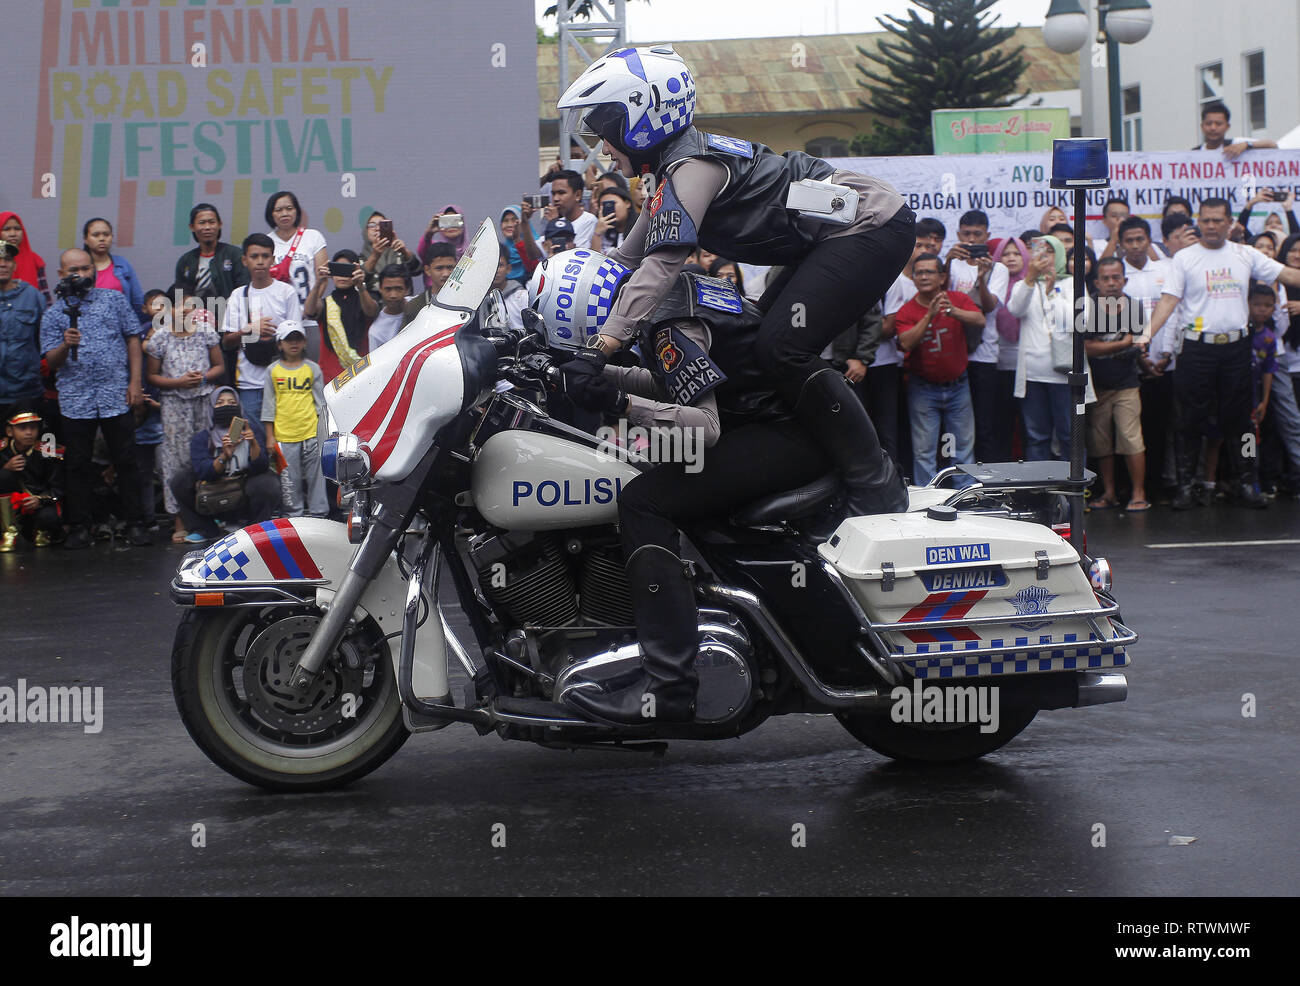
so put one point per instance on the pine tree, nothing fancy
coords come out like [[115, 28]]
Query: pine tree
[[956, 60]]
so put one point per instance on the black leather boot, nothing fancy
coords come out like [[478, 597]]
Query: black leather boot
[[667, 623], [1246, 491], [831, 412]]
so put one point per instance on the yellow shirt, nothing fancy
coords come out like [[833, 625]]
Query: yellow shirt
[[294, 407]]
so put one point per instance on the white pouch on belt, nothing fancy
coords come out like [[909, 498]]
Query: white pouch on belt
[[823, 200]]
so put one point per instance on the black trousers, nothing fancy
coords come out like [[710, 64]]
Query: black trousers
[[79, 442], [146, 457], [261, 499], [816, 299], [983, 379], [1211, 378], [882, 398], [1159, 418], [1006, 418], [750, 462]]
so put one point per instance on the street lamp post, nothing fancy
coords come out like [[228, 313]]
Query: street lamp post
[[1067, 29]]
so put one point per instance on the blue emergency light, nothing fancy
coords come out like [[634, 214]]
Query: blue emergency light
[[1080, 162]]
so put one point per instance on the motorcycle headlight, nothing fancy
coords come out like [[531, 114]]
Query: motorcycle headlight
[[343, 460]]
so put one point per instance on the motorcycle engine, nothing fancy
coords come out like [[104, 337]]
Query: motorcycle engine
[[553, 580]]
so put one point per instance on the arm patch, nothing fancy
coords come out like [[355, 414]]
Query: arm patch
[[670, 224], [684, 368]]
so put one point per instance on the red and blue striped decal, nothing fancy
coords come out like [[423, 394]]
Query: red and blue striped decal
[[282, 550], [943, 606]]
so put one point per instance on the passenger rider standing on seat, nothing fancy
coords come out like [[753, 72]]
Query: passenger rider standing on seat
[[727, 195]]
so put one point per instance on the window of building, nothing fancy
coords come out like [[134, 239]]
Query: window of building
[[827, 147], [1209, 85], [1132, 105], [1253, 73]]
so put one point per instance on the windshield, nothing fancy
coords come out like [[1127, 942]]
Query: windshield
[[472, 277]]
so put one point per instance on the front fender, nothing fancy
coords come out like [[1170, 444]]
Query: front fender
[[281, 561]]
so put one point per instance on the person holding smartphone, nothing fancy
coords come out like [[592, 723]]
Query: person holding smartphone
[[346, 312], [615, 215], [447, 226], [383, 249]]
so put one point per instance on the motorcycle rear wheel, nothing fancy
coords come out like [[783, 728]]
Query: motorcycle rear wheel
[[228, 674], [913, 743]]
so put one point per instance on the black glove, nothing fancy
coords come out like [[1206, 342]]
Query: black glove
[[587, 386]]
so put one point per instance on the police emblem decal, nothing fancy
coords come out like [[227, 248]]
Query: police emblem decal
[[1032, 600]]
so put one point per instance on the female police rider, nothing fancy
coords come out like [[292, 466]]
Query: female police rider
[[843, 239], [701, 374]]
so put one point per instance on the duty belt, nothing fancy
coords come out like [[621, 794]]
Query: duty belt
[[1213, 338]]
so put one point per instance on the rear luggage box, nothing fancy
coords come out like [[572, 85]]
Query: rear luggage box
[[1004, 597]]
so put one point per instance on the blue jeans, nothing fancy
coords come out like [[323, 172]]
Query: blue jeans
[[1286, 419], [1045, 409], [250, 402], [939, 409]]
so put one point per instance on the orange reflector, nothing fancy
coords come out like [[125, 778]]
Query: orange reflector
[[209, 599]]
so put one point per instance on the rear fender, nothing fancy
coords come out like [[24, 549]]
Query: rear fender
[[306, 558]]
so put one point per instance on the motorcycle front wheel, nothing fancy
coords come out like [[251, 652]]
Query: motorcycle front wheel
[[230, 674], [919, 743]]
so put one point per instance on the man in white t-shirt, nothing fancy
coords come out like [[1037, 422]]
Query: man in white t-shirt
[[252, 313], [394, 293], [974, 273], [1209, 283], [566, 203]]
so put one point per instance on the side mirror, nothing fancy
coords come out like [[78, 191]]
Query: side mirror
[[492, 314]]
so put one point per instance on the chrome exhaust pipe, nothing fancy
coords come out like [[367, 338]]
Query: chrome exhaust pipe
[[1100, 688]]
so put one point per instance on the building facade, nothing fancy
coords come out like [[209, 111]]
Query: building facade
[[1245, 54]]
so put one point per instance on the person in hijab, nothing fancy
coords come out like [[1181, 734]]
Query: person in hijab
[[1012, 253], [215, 454], [347, 313], [447, 226], [380, 252], [514, 244], [1043, 300], [29, 265]]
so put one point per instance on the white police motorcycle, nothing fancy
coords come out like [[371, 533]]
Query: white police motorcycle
[[309, 650]]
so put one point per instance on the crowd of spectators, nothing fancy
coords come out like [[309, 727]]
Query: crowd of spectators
[[123, 403]]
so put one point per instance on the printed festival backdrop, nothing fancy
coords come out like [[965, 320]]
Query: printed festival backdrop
[[421, 103]]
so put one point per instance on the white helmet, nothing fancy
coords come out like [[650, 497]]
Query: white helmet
[[574, 291], [635, 98]]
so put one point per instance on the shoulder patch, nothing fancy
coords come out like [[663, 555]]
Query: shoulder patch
[[719, 294], [684, 368], [670, 224], [730, 145]]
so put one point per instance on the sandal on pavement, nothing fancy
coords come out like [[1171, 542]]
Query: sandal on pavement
[[1137, 506], [1104, 503], [178, 537]]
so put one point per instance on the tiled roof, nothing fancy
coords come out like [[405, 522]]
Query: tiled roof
[[753, 76]]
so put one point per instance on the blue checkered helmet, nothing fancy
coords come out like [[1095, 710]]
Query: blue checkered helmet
[[574, 291], [635, 98]]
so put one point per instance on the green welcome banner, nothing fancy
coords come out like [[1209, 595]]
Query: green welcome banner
[[998, 131]]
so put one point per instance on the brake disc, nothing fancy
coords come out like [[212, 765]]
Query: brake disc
[[268, 667]]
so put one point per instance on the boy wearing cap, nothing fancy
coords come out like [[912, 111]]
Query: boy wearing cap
[[293, 402], [560, 236], [31, 481]]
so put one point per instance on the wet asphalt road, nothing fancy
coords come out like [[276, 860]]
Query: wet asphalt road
[[112, 813]]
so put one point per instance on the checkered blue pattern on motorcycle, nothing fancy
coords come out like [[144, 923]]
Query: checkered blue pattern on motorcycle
[[604, 282], [223, 562], [1100, 656]]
